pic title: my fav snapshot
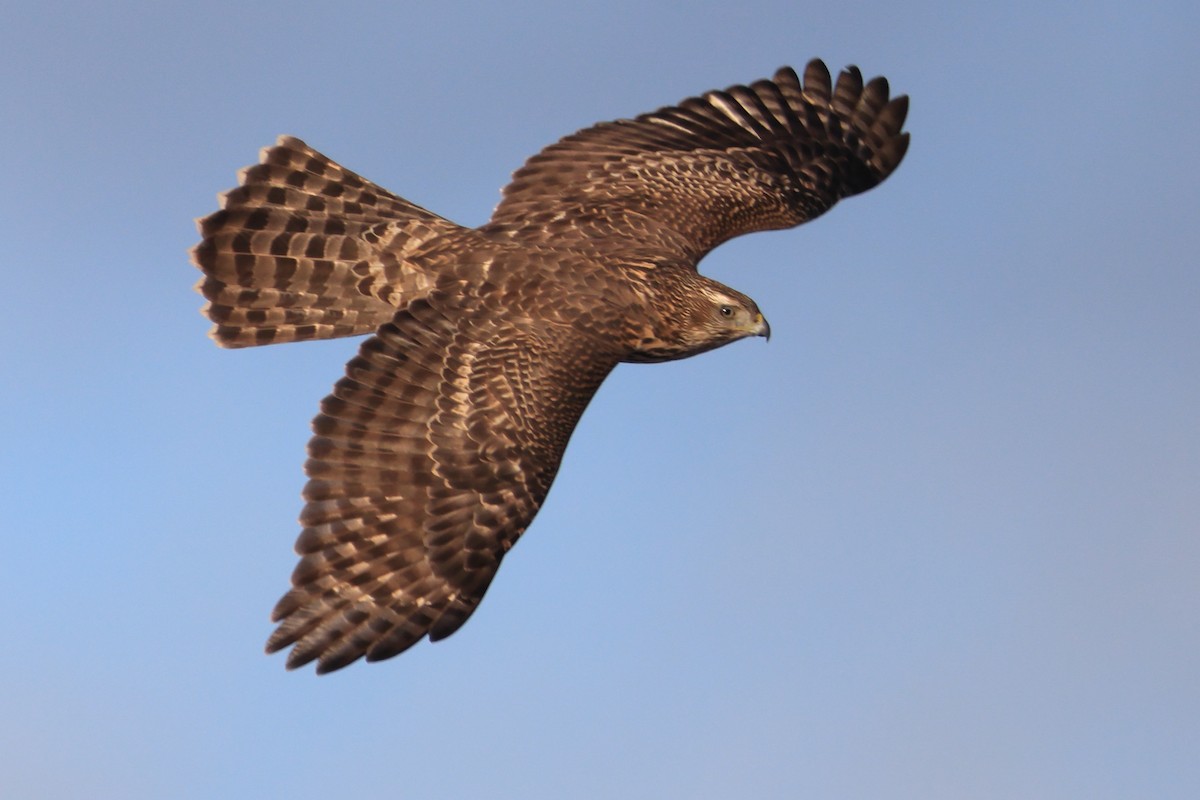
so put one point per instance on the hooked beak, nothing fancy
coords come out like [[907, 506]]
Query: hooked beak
[[762, 327]]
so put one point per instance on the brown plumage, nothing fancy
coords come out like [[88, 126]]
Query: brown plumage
[[435, 451]]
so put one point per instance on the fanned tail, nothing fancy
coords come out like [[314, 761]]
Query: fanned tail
[[306, 249]]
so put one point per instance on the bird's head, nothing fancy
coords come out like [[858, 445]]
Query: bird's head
[[696, 314], [722, 315]]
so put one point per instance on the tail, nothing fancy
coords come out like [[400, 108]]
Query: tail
[[306, 249]]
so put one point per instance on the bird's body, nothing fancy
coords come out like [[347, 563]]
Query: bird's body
[[434, 453]]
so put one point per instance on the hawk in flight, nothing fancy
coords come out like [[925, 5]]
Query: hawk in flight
[[433, 454]]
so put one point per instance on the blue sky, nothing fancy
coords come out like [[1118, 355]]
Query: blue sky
[[937, 539]]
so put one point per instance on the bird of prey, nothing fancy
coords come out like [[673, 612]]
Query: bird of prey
[[434, 452]]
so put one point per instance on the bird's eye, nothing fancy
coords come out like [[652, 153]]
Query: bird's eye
[[726, 311]]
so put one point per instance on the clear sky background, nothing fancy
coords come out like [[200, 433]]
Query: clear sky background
[[940, 538]]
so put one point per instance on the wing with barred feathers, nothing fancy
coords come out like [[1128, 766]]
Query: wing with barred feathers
[[681, 180], [429, 460]]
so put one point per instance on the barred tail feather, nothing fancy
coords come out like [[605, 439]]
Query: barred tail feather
[[306, 249]]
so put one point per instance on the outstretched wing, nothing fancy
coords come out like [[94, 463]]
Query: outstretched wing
[[429, 460], [683, 179]]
